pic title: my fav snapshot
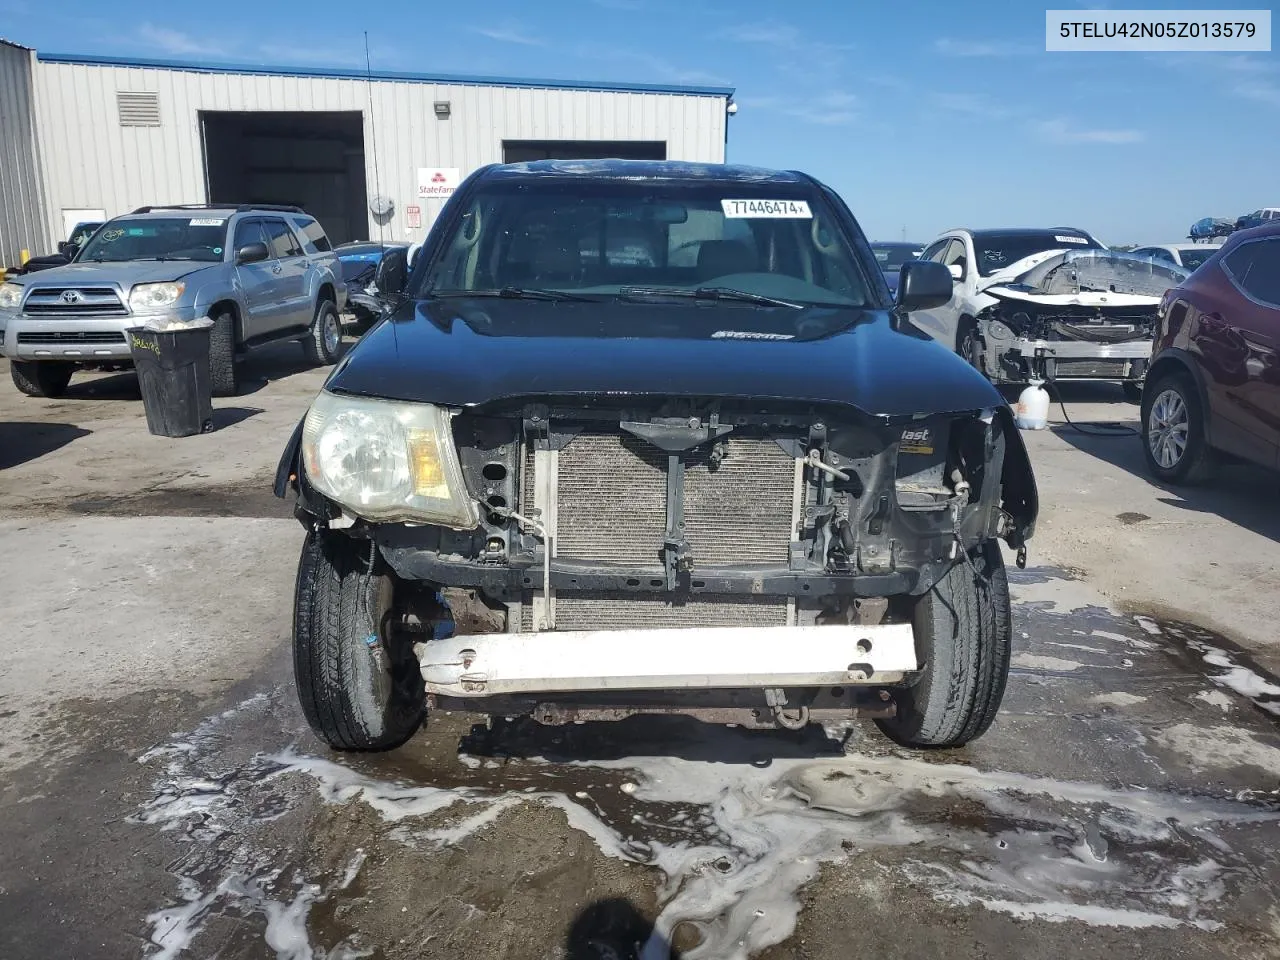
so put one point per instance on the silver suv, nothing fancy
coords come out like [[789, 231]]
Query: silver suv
[[260, 273]]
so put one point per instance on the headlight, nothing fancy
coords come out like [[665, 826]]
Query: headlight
[[10, 296], [385, 460], [152, 296]]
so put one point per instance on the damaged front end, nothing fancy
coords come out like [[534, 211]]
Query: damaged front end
[[1082, 314], [634, 545]]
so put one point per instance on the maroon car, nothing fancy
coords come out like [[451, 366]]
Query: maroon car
[[1214, 381]]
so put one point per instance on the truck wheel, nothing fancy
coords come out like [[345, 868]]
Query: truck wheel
[[963, 629], [222, 355], [325, 336], [41, 378], [360, 688], [1173, 431]]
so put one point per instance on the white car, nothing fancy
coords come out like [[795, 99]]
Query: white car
[[1184, 254], [1050, 303]]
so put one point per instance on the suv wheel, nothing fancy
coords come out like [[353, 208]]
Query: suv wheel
[[1173, 431], [222, 355], [324, 339], [360, 688], [41, 378], [963, 628]]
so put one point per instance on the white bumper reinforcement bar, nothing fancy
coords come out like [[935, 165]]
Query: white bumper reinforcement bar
[[1078, 349], [685, 659]]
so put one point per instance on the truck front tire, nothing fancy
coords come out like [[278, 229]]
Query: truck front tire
[[359, 685], [222, 355], [963, 629], [41, 378]]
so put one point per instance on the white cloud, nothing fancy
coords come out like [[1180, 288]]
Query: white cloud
[[972, 105], [174, 42], [1060, 131], [832, 109], [952, 47], [510, 33], [655, 69], [1259, 90]]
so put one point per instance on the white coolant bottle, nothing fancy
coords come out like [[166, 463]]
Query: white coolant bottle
[[1032, 411]]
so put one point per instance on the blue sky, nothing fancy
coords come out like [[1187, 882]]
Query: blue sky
[[923, 115]]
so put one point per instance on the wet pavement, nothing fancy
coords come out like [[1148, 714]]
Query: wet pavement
[[1126, 801], [161, 796]]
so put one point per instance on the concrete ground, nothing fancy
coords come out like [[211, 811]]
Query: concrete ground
[[160, 794]]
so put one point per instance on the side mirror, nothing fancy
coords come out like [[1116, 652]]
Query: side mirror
[[923, 285], [391, 274], [252, 253], [956, 271]]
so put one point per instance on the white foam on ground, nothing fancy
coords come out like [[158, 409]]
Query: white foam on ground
[[1033, 661], [1149, 625], [1235, 676], [1056, 595], [1209, 747], [1135, 642], [1215, 698], [1051, 850]]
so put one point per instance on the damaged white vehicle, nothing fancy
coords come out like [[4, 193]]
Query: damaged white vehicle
[[1051, 304]]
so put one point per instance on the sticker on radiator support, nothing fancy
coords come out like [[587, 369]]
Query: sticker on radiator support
[[750, 335], [919, 440], [778, 209]]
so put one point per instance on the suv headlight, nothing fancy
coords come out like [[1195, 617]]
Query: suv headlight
[[10, 296], [385, 460], [153, 296]]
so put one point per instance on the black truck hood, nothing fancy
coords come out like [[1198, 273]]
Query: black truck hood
[[476, 351]]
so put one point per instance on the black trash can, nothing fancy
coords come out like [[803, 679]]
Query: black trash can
[[173, 372]]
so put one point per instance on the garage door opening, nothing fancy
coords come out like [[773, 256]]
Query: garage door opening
[[523, 151], [314, 160]]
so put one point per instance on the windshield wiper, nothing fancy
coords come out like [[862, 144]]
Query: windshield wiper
[[725, 294], [514, 293]]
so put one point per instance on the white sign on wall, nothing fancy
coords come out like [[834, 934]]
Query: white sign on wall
[[437, 182], [413, 217]]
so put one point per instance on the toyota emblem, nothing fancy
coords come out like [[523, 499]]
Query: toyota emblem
[[71, 296]]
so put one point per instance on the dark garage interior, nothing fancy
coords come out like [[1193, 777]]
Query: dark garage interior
[[312, 159], [524, 151]]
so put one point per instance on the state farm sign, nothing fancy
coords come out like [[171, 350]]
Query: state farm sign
[[437, 182]]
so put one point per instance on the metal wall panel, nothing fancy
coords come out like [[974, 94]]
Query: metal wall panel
[[23, 216], [92, 161]]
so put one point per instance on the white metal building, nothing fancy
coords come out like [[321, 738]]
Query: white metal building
[[368, 157]]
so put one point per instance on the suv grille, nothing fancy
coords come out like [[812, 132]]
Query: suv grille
[[72, 336], [74, 302]]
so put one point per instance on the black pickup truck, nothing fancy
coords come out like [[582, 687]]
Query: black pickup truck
[[662, 431]]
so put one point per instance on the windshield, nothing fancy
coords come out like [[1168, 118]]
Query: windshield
[[1194, 257], [891, 256], [620, 239], [158, 238], [995, 251]]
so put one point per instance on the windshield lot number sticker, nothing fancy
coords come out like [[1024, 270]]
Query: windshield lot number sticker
[[775, 209], [206, 222], [1069, 239]]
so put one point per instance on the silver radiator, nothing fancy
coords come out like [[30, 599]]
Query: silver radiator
[[609, 494]]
